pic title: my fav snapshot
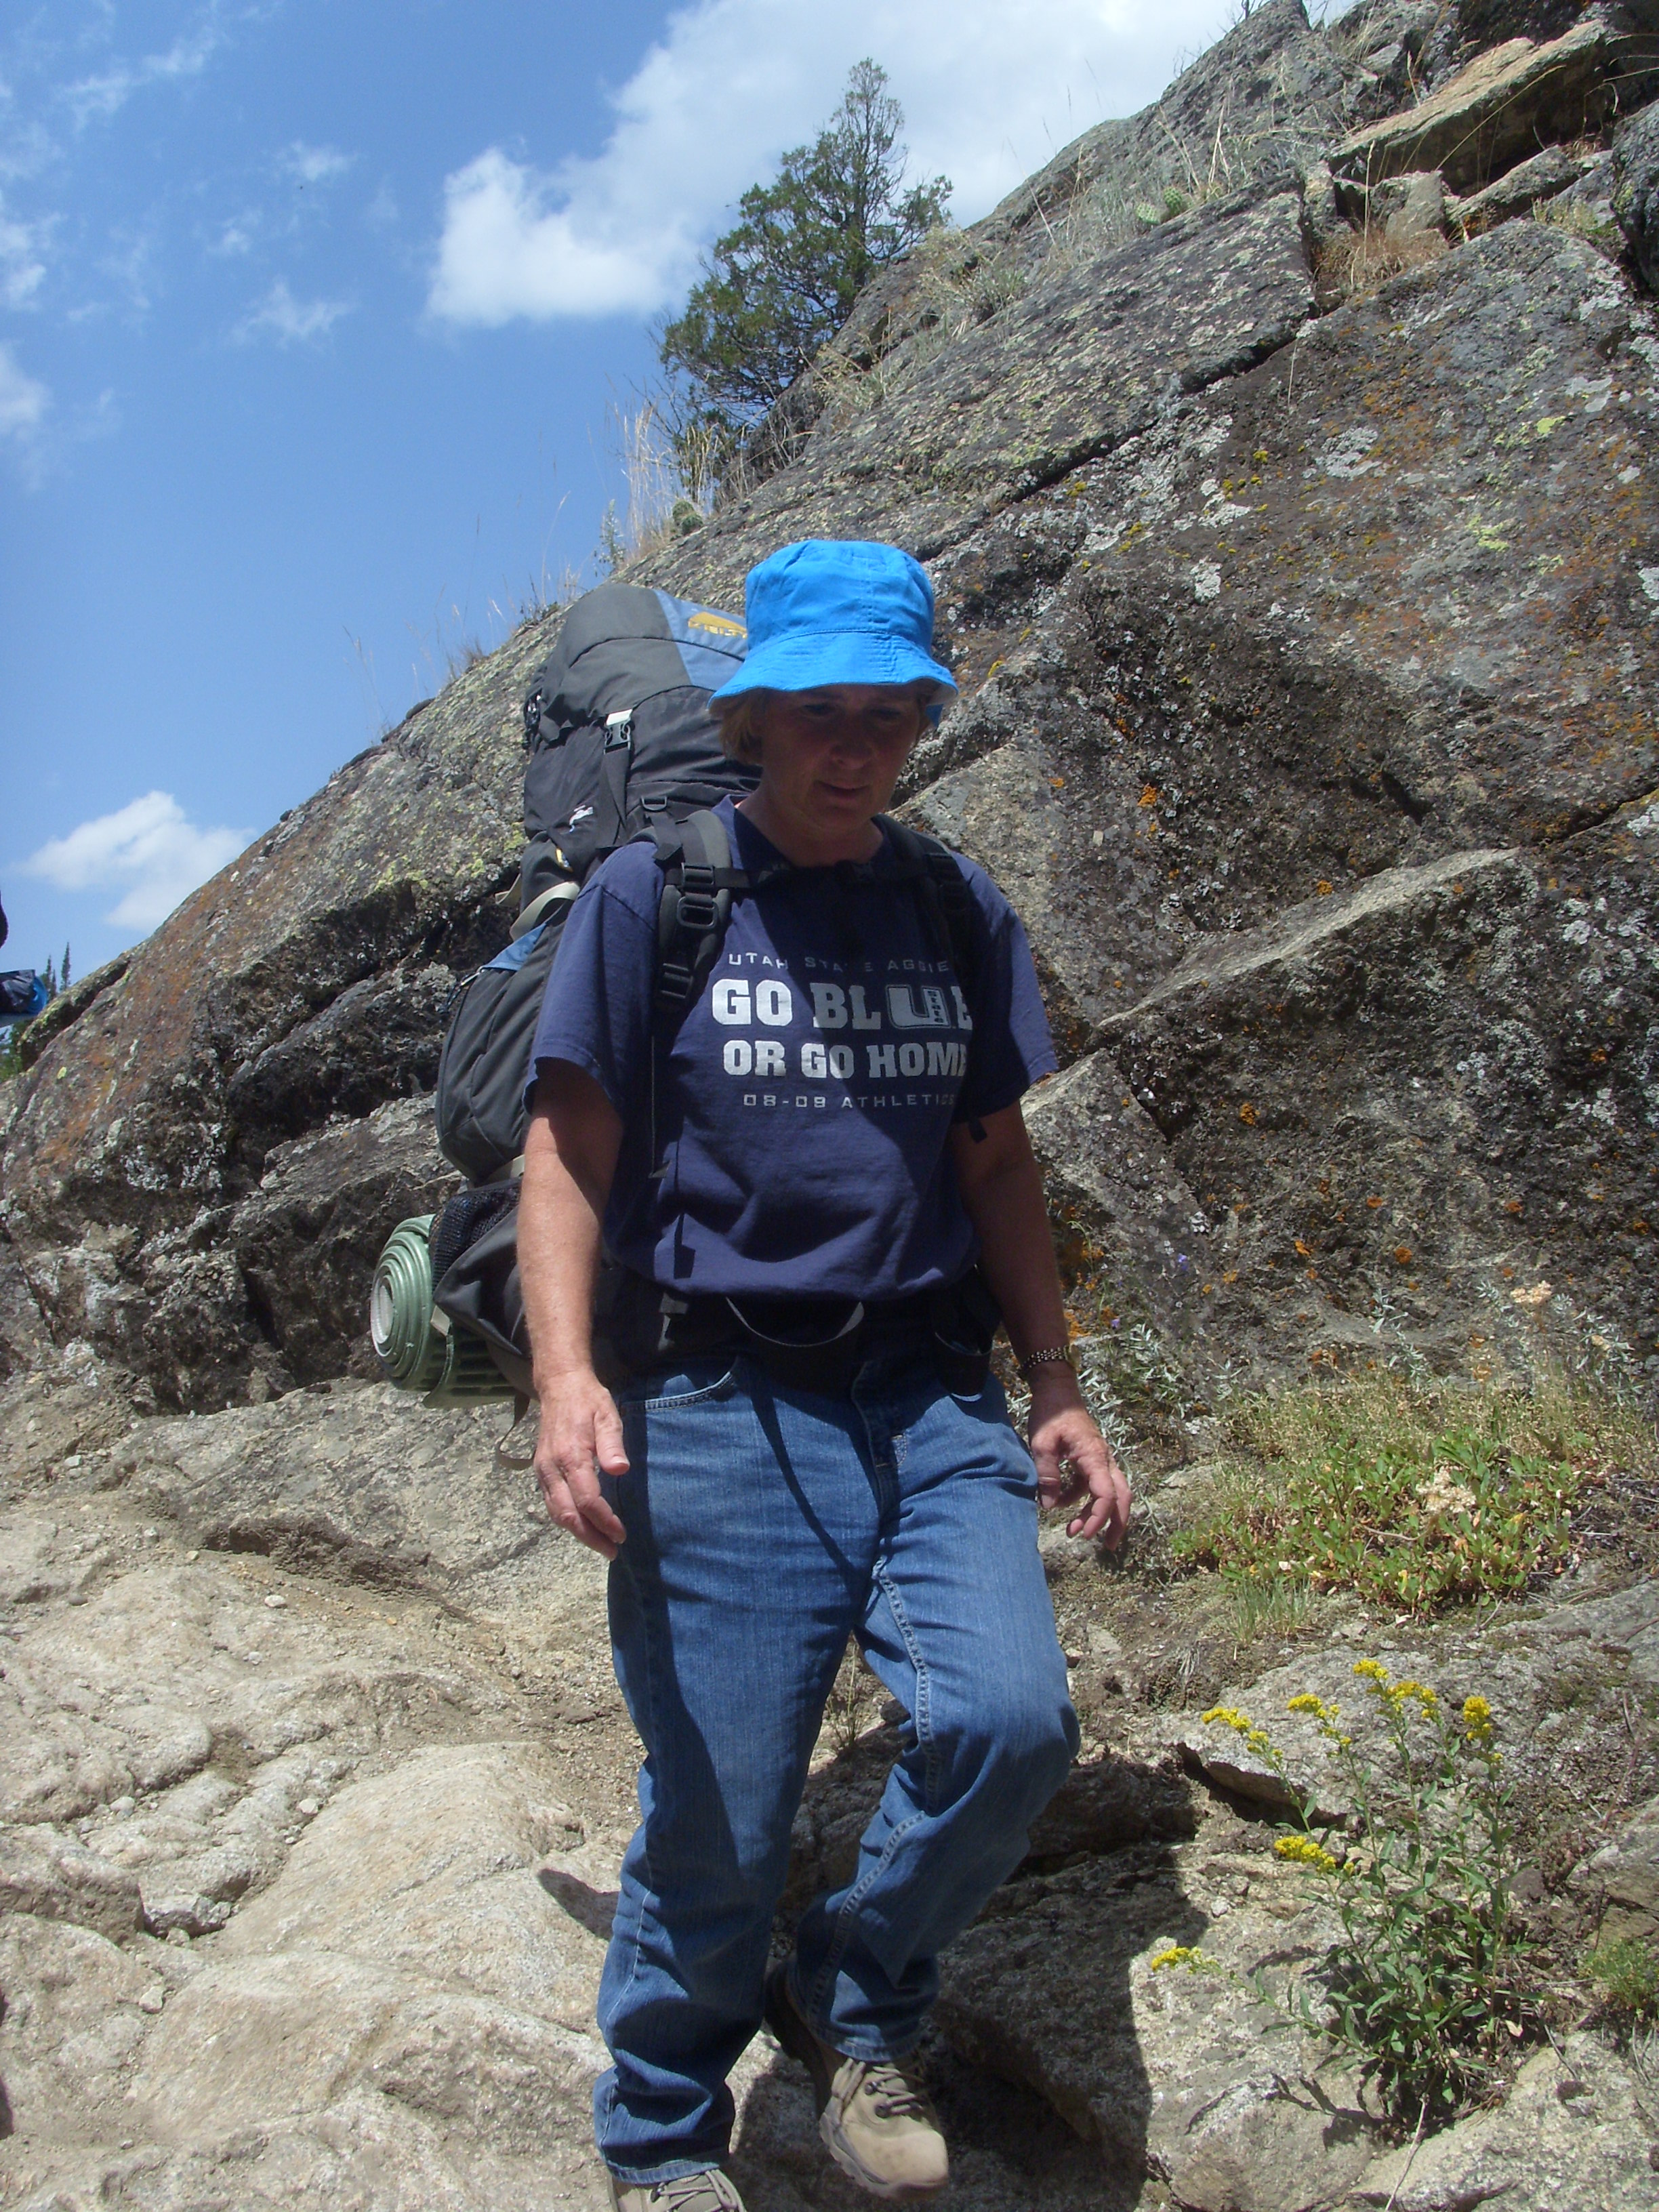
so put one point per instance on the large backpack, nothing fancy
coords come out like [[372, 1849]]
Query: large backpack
[[22, 994], [618, 734]]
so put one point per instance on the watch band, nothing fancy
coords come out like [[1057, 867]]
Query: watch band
[[1045, 1355]]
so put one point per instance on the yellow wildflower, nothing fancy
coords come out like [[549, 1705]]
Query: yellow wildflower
[[1178, 1954], [1304, 1851], [1307, 1703], [1257, 1740], [1425, 1697], [1372, 1670], [1477, 1719]]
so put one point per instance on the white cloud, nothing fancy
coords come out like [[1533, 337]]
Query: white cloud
[[131, 265], [236, 235], [23, 401], [313, 165], [21, 266], [103, 96], [290, 321], [991, 90], [505, 253], [150, 845]]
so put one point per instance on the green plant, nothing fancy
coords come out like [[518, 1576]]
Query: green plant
[[1625, 1974], [1426, 1988], [783, 280], [1271, 1608], [1414, 1498], [1128, 1365], [1580, 221], [1173, 202], [855, 1700]]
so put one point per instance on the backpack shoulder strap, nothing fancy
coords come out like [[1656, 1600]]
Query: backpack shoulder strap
[[698, 881], [943, 891]]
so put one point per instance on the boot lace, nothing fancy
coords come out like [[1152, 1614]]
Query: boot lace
[[891, 2094], [696, 2193]]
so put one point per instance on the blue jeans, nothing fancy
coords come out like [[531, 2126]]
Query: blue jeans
[[766, 1524]]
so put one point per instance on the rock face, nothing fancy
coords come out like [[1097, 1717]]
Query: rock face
[[1636, 198], [1308, 639], [1485, 118], [159, 1100], [1569, 2137]]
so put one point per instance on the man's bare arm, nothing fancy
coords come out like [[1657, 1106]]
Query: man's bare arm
[[1002, 1190], [569, 1158]]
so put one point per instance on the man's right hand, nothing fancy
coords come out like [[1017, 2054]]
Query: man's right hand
[[581, 1438]]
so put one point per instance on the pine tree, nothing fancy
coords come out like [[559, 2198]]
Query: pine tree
[[784, 280]]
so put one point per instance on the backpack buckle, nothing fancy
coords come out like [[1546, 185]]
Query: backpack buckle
[[619, 729], [698, 910]]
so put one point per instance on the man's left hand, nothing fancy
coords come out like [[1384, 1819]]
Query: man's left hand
[[1074, 1461]]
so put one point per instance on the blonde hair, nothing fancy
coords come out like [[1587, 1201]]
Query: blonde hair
[[741, 719], [740, 741]]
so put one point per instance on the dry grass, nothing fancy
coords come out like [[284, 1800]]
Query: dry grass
[[1557, 1415], [1415, 1495], [854, 1701], [1356, 266], [668, 472]]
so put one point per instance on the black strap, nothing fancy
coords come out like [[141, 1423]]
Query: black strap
[[814, 1344], [614, 763], [698, 883], [944, 894]]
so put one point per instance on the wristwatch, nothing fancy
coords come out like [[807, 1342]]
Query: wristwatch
[[1058, 1355]]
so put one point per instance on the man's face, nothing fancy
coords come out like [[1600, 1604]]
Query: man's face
[[829, 758]]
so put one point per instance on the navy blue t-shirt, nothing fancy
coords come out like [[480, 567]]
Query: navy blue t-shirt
[[804, 1105]]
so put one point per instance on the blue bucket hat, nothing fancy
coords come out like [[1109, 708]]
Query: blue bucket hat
[[838, 610]]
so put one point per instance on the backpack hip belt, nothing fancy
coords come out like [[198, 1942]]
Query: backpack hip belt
[[804, 1343]]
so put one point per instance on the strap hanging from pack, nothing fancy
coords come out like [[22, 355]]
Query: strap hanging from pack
[[945, 899], [540, 907], [615, 763], [515, 1462]]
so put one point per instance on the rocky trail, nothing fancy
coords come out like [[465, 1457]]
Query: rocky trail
[[1286, 462], [313, 1781]]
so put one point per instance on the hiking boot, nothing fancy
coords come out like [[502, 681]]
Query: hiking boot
[[875, 2119], [708, 2192]]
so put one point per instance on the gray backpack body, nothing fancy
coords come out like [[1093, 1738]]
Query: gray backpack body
[[619, 736]]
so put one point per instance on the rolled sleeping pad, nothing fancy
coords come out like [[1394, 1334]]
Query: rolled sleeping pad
[[418, 1347]]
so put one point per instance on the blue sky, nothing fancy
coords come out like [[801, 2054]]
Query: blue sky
[[313, 318]]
